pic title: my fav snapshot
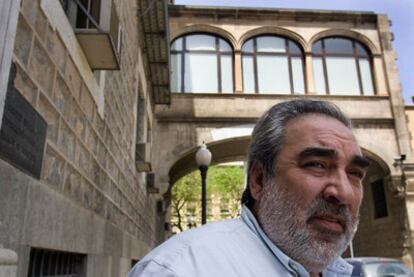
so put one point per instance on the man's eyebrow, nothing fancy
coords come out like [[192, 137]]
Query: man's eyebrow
[[317, 152], [360, 161]]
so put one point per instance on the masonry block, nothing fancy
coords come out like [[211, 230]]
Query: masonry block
[[87, 103], [76, 120], [23, 40], [62, 97], [72, 78], [30, 9], [25, 86], [41, 67], [72, 184], [56, 49], [67, 141], [92, 142], [51, 116], [96, 173], [98, 202], [102, 153], [100, 126], [87, 193], [53, 168], [41, 25], [83, 159]]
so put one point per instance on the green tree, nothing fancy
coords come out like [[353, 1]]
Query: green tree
[[223, 182], [186, 190], [227, 183]]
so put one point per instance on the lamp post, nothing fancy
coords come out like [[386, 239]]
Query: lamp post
[[190, 221], [203, 158]]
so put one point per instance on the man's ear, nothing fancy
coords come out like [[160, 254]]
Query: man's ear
[[256, 181]]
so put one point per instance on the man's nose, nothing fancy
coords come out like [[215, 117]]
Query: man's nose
[[338, 188]]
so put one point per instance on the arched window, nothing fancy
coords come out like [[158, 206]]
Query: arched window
[[342, 66], [201, 63], [272, 64]]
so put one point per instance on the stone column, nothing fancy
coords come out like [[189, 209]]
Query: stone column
[[393, 84], [310, 82], [238, 72], [8, 263], [379, 77]]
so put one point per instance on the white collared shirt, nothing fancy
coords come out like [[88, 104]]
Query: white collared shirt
[[231, 248]]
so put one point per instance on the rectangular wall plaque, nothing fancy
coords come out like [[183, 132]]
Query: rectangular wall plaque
[[23, 132]]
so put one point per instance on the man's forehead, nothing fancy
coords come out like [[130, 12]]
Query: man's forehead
[[321, 131], [318, 124]]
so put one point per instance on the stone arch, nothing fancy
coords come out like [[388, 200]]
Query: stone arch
[[226, 150], [272, 30], [344, 33], [232, 149], [367, 241], [208, 29], [377, 159]]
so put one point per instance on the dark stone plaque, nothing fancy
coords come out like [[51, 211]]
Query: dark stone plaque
[[23, 132]]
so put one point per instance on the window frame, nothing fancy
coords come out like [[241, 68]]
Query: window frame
[[380, 206], [182, 54], [77, 11], [287, 54], [357, 57]]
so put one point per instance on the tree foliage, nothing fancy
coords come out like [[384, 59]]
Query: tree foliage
[[185, 191], [223, 182]]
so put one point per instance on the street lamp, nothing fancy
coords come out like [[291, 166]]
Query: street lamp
[[203, 158], [190, 221]]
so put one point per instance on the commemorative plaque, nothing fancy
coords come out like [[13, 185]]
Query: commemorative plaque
[[22, 133]]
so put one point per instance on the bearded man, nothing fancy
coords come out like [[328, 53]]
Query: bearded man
[[300, 206]]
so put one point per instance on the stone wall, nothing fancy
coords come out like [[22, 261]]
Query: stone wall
[[89, 156]]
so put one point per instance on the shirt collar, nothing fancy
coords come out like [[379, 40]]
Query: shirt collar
[[337, 268], [292, 266]]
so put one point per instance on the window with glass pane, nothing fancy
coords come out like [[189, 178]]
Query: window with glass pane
[[342, 66], [272, 65], [201, 63]]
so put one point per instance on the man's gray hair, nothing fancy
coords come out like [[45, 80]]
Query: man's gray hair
[[267, 136]]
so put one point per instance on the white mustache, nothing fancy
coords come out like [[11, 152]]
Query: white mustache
[[321, 206]]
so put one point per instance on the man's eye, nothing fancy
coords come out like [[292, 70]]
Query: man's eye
[[317, 165], [356, 173]]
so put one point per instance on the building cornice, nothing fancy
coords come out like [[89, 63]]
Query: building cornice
[[359, 17]]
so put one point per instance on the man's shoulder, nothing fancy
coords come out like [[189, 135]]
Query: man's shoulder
[[202, 244], [200, 237]]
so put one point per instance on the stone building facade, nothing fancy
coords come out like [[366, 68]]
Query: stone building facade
[[78, 180], [75, 167], [223, 116]]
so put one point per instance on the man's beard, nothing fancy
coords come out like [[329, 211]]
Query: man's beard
[[287, 225]]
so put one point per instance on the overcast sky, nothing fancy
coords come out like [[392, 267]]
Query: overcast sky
[[401, 13]]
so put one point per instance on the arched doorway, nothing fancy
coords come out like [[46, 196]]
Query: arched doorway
[[382, 215]]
